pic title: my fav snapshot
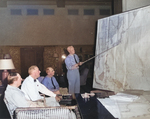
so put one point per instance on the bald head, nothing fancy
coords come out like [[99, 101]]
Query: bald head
[[32, 68], [34, 71]]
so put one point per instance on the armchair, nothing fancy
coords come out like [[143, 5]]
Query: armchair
[[9, 110], [44, 112]]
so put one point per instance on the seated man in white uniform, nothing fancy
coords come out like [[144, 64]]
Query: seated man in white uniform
[[16, 98], [31, 87]]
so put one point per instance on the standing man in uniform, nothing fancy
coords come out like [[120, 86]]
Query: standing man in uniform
[[72, 64]]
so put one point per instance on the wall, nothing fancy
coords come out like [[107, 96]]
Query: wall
[[84, 53], [53, 32], [20, 28], [133, 4]]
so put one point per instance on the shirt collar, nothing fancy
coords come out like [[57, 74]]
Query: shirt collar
[[48, 76], [32, 79], [12, 87]]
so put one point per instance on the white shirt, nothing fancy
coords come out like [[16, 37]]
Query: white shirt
[[15, 98], [32, 89]]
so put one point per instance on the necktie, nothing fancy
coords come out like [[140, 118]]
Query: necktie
[[75, 59], [53, 83]]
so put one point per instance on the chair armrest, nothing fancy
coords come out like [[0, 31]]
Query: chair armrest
[[43, 99], [44, 113]]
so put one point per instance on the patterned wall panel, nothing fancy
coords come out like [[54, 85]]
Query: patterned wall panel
[[52, 56], [49, 59], [15, 54]]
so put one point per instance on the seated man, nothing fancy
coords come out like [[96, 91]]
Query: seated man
[[14, 96], [50, 82], [31, 87]]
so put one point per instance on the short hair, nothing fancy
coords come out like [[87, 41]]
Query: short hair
[[68, 48], [31, 69], [12, 77], [48, 69]]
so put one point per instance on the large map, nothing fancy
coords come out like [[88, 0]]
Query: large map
[[123, 49]]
